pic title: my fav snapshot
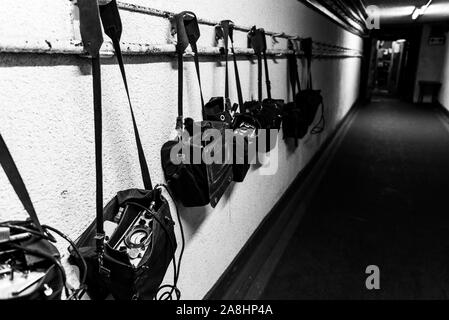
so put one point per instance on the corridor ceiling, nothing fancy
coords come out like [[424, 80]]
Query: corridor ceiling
[[400, 11]]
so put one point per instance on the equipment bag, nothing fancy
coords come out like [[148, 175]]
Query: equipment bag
[[129, 246], [309, 99], [244, 125], [268, 112], [294, 121], [30, 265], [193, 181]]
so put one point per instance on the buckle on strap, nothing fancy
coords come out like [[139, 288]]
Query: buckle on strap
[[99, 239], [90, 27], [187, 29]]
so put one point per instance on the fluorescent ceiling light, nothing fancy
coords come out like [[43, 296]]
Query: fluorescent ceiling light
[[393, 12], [438, 9]]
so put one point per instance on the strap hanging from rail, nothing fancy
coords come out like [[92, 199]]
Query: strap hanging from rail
[[92, 36], [307, 48], [259, 44], [265, 60], [11, 171], [96, 83], [188, 32], [112, 26], [228, 32], [225, 27]]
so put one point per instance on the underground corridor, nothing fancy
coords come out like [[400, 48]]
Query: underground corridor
[[381, 202], [238, 151]]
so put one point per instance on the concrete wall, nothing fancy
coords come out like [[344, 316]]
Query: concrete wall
[[431, 62], [444, 93], [47, 119]]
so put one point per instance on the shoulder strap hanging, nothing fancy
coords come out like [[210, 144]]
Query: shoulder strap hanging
[[188, 32], [265, 60], [228, 31], [17, 183], [181, 45], [225, 28], [293, 69], [307, 48], [257, 46], [112, 26], [92, 37], [258, 43]]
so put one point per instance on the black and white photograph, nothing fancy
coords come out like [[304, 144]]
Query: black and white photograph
[[235, 158]]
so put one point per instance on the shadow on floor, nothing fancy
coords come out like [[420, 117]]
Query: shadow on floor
[[384, 201]]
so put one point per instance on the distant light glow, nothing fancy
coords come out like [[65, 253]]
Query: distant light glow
[[438, 9], [393, 12]]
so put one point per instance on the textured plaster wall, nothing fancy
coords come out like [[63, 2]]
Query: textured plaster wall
[[46, 117], [444, 93]]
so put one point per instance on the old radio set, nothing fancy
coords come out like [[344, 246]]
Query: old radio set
[[135, 233]]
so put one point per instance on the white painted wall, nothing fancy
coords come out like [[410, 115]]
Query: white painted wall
[[47, 119], [431, 62], [444, 93]]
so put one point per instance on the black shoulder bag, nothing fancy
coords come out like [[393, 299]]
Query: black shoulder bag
[[309, 99], [245, 126], [129, 246], [193, 181], [294, 121], [269, 111], [30, 266]]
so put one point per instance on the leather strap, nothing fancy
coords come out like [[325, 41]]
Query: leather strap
[[307, 48], [197, 68], [228, 31], [17, 183], [265, 60], [259, 78], [90, 27], [293, 69], [96, 84], [225, 26], [259, 44], [91, 34], [188, 32], [112, 26]]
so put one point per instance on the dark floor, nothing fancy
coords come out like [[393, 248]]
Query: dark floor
[[384, 201]]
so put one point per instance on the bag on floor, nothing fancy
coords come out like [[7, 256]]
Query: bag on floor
[[129, 246], [193, 181], [30, 265]]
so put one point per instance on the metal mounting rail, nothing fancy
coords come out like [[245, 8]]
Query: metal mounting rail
[[75, 47]]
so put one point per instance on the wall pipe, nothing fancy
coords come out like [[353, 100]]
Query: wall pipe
[[169, 15], [75, 47]]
